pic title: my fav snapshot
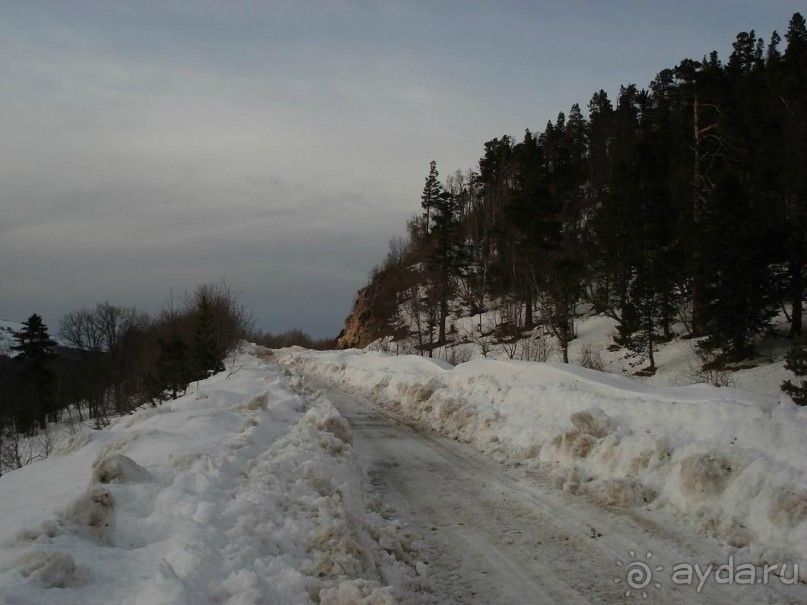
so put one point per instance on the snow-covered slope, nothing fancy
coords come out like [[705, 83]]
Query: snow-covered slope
[[243, 491], [677, 361], [732, 463], [7, 340]]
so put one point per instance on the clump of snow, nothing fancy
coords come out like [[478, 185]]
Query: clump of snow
[[51, 569], [257, 402], [626, 493], [704, 475], [336, 426], [593, 422], [43, 534], [92, 512], [731, 462], [117, 468]]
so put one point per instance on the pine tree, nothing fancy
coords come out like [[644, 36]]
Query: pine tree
[[206, 356], [445, 259], [37, 402], [793, 109], [174, 370], [429, 199]]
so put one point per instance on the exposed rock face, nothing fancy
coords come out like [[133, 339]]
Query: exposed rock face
[[355, 335], [373, 311]]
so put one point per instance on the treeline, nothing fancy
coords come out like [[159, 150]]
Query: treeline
[[291, 338], [682, 202], [113, 360]]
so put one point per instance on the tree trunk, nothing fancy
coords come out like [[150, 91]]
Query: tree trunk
[[700, 189], [796, 291], [441, 336], [528, 320]]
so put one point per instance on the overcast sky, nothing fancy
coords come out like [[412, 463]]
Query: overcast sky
[[146, 145]]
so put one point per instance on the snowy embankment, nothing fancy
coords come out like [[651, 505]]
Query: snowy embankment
[[733, 463], [243, 491]]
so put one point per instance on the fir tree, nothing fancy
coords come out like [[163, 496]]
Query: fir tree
[[431, 193], [174, 370], [37, 401], [206, 355]]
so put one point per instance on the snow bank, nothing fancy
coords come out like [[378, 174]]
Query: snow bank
[[244, 491], [732, 462]]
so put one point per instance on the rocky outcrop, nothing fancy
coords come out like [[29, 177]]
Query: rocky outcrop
[[373, 311], [357, 332]]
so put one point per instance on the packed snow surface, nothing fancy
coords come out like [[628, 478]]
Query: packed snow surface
[[731, 464], [246, 490]]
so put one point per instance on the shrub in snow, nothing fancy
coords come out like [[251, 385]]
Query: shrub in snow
[[591, 358], [51, 569]]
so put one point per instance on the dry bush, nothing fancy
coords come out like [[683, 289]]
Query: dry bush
[[539, 348], [702, 373], [509, 322], [381, 345], [455, 355], [18, 450], [590, 358]]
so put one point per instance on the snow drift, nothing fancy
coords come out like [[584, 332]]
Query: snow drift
[[733, 463], [244, 491]]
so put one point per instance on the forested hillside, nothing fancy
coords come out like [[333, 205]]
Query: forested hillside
[[682, 204]]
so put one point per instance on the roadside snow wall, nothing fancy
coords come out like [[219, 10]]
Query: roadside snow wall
[[733, 463]]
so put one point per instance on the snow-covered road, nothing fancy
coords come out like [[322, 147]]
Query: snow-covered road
[[495, 533]]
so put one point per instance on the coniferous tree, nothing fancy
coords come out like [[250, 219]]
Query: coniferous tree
[[37, 401], [173, 371], [446, 258], [792, 111], [206, 356], [429, 198]]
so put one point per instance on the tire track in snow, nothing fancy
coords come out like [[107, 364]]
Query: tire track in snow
[[498, 534]]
